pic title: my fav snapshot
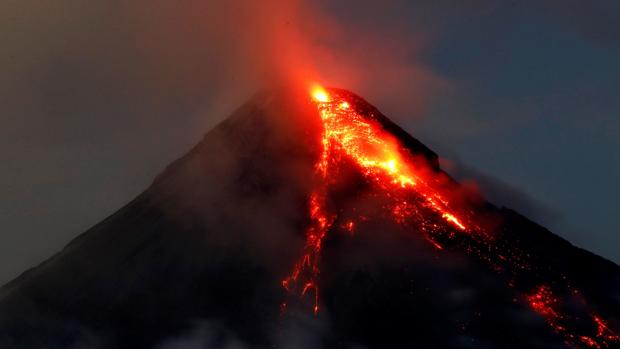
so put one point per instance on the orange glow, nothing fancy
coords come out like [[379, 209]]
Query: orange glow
[[544, 303], [603, 332], [319, 94], [450, 218], [350, 226], [377, 153]]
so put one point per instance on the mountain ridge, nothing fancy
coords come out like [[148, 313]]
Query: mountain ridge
[[232, 210]]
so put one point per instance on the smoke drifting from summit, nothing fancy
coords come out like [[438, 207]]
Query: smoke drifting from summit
[[244, 46], [98, 97]]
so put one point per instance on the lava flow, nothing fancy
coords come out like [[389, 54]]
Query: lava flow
[[418, 199]]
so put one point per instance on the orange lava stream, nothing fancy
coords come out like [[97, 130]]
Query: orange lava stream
[[377, 153], [379, 157], [383, 161], [544, 302]]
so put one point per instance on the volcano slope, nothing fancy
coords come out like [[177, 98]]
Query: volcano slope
[[303, 222]]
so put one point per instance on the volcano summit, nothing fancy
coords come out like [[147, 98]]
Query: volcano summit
[[307, 221]]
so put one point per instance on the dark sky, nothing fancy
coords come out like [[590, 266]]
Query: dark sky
[[97, 97]]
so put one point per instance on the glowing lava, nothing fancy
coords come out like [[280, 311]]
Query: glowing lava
[[378, 154], [418, 200], [319, 94]]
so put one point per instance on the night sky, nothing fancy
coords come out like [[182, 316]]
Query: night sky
[[98, 97]]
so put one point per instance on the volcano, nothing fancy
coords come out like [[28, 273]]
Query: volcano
[[313, 221]]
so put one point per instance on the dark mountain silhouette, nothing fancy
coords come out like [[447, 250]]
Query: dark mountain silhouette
[[197, 260]]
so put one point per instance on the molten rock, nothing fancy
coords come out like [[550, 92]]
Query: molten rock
[[313, 221]]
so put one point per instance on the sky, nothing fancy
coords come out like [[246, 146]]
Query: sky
[[97, 97]]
